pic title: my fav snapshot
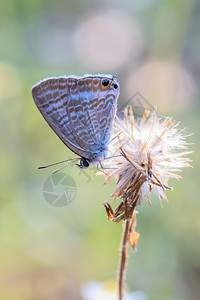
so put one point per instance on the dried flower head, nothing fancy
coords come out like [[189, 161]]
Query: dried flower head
[[145, 154]]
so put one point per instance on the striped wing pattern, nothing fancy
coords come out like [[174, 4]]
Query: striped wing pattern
[[80, 111]]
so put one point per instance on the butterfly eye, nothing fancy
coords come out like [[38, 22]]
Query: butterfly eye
[[84, 163], [105, 82]]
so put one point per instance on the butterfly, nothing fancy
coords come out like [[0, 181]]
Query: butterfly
[[81, 111]]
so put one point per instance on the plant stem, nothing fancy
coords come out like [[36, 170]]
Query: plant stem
[[123, 258]]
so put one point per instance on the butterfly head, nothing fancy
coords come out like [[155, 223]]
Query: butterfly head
[[84, 163]]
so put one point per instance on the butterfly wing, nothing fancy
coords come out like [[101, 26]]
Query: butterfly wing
[[105, 109], [74, 108], [96, 107]]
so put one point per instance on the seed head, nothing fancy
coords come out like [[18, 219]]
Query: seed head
[[145, 154]]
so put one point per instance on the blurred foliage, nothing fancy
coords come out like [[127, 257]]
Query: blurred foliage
[[48, 252]]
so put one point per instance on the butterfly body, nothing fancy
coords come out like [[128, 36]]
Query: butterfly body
[[81, 111]]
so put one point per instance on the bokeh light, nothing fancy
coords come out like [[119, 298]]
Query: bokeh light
[[166, 84], [107, 41]]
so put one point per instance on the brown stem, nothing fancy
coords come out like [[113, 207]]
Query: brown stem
[[123, 258]]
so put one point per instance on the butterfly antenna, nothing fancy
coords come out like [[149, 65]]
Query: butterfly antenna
[[64, 166], [60, 162]]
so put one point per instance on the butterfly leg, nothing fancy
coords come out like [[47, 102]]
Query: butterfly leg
[[104, 167], [100, 169], [112, 156]]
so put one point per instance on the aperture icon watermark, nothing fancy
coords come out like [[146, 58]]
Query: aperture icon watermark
[[59, 189], [138, 103]]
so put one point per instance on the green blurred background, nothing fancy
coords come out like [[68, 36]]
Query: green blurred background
[[49, 252]]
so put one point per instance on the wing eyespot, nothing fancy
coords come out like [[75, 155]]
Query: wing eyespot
[[115, 85], [105, 83]]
